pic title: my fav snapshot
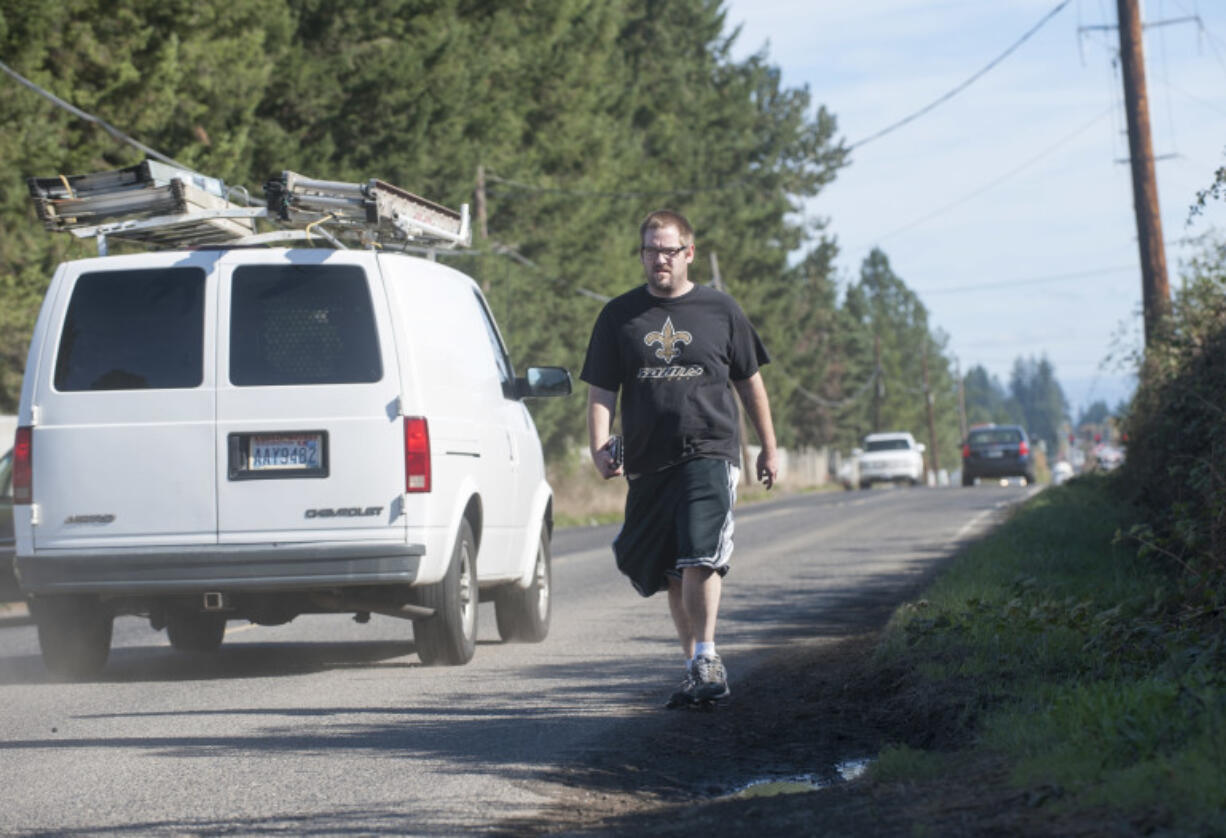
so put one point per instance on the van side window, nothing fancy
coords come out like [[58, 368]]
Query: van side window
[[302, 324], [506, 373], [133, 330]]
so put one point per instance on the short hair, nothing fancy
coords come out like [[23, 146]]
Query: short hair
[[667, 218]]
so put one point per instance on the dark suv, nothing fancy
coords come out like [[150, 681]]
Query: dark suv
[[997, 451]]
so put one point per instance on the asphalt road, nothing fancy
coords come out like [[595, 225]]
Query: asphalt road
[[325, 726]]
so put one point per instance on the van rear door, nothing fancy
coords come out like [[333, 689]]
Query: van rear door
[[123, 450], [309, 440]]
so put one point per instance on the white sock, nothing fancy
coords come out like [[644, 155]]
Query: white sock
[[703, 649]]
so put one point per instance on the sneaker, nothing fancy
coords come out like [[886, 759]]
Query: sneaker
[[684, 696], [710, 678]]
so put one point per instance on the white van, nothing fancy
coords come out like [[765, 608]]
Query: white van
[[254, 434]]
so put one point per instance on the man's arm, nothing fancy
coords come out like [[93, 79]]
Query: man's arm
[[752, 391], [600, 406]]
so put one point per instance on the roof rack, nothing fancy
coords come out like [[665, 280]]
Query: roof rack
[[164, 206]]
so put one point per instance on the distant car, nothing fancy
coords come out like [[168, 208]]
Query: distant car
[[997, 451], [1061, 472], [892, 457], [1108, 457], [847, 474]]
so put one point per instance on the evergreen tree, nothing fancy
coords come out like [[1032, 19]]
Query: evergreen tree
[[895, 323], [584, 114], [1095, 414], [986, 400], [1044, 409]]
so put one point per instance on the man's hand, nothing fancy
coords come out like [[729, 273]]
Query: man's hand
[[605, 462], [600, 403], [768, 466]]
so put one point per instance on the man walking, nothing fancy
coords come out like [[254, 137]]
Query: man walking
[[676, 351]]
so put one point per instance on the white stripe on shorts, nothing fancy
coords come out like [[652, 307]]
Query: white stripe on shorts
[[723, 547]]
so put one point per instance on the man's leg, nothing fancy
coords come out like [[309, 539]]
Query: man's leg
[[676, 607], [700, 592], [684, 694]]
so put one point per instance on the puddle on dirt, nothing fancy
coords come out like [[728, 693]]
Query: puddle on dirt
[[797, 783]]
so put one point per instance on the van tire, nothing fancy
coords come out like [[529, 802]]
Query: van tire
[[523, 614], [449, 637], [74, 634], [195, 632]]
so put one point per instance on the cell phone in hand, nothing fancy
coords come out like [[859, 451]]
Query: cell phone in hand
[[614, 447]]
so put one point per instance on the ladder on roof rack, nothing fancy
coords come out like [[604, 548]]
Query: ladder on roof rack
[[164, 206], [186, 207]]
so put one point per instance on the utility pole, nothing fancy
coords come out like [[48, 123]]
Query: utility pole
[[479, 203], [746, 464], [934, 456], [483, 229], [1155, 290], [961, 399]]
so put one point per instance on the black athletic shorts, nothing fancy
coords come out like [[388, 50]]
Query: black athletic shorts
[[676, 518]]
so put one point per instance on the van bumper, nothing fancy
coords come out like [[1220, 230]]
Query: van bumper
[[218, 568]]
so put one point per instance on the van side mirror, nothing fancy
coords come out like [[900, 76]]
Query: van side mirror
[[920, 447], [541, 382]]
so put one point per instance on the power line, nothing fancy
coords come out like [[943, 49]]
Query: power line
[[1035, 280], [977, 192], [945, 98], [114, 132]]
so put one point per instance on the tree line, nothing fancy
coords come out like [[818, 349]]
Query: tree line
[[580, 115]]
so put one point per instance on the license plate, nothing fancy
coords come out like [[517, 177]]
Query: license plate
[[995, 452], [284, 453], [278, 455]]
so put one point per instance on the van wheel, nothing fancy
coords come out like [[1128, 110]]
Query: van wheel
[[967, 480], [450, 636], [523, 613], [74, 634], [194, 632]]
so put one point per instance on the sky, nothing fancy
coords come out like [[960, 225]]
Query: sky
[[1008, 208]]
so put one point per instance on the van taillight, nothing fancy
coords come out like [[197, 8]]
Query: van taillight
[[966, 451], [23, 466], [416, 454], [1023, 449]]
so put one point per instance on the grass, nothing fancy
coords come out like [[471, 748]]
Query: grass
[[1080, 662]]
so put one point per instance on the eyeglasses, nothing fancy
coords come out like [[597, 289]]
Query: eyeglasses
[[670, 252]]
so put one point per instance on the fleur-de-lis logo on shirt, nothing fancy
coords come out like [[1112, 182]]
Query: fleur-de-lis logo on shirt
[[669, 340]]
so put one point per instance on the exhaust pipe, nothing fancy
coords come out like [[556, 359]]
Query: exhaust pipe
[[216, 601]]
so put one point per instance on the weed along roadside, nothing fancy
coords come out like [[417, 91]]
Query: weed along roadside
[[1050, 681], [1080, 667]]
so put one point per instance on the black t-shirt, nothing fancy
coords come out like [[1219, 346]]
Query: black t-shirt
[[674, 360]]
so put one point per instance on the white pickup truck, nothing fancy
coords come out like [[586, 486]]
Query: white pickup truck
[[891, 457]]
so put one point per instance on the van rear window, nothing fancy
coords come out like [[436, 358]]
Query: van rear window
[[302, 324], [133, 330], [998, 436]]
